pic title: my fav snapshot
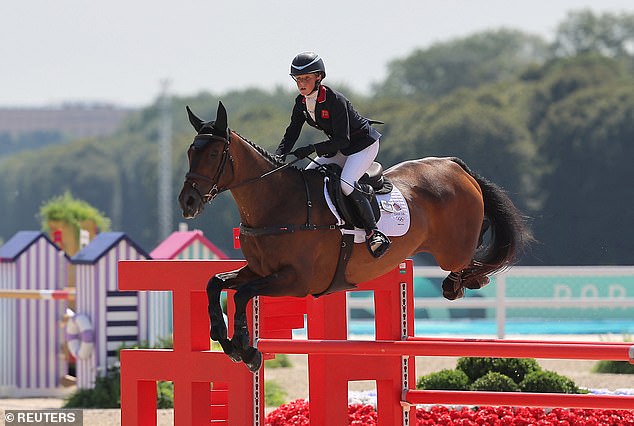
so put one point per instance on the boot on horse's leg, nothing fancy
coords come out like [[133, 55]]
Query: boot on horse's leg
[[452, 286], [218, 330], [241, 340], [377, 242]]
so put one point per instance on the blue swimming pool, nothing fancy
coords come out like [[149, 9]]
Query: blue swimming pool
[[515, 326]]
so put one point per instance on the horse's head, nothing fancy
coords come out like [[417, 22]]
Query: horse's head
[[208, 156]]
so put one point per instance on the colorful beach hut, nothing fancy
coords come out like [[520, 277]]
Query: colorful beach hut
[[116, 317], [187, 245], [32, 361], [184, 245]]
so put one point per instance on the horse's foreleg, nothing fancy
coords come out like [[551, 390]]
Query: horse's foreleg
[[277, 284], [218, 329]]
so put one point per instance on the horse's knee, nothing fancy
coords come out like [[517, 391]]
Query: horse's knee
[[213, 284]]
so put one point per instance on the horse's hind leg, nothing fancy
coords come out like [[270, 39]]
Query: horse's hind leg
[[453, 286], [218, 329]]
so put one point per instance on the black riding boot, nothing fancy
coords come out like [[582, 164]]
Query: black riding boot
[[377, 242]]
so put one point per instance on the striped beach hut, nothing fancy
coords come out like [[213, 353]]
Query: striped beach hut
[[117, 318], [187, 245], [184, 245], [32, 361]]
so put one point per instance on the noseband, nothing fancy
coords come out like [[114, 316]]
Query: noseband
[[200, 141]]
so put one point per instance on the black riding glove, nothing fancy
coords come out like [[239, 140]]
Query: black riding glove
[[280, 158], [303, 151], [326, 148]]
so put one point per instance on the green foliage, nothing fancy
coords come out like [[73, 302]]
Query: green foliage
[[583, 31], [105, 394], [613, 367], [494, 382], [444, 380], [274, 395], [498, 375], [482, 58], [474, 367], [514, 368], [280, 361], [72, 211], [165, 395], [548, 381]]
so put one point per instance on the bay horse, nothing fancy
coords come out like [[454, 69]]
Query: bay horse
[[448, 205]]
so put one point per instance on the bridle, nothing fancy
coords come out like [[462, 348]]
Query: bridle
[[192, 177], [214, 190]]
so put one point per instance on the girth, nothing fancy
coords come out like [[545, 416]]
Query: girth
[[285, 229], [338, 282]]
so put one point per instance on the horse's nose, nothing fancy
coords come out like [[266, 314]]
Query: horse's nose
[[188, 204]]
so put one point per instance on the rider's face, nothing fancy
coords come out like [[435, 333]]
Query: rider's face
[[306, 83]]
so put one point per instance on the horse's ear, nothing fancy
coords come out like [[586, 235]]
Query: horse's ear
[[221, 118], [196, 122]]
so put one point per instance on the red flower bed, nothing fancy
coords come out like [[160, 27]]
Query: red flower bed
[[296, 413]]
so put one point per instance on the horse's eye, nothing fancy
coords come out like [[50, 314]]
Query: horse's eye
[[213, 154]]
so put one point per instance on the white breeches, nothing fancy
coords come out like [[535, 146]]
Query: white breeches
[[354, 166]]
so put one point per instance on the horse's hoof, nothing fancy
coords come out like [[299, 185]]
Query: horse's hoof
[[452, 289], [253, 360], [453, 294], [230, 350]]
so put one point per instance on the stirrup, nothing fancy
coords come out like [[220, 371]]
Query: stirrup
[[378, 243]]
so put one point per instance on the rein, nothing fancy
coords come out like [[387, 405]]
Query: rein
[[214, 190], [209, 196]]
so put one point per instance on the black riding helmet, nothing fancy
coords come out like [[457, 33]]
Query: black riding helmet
[[307, 63]]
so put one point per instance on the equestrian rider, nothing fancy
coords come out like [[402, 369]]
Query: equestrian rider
[[352, 142]]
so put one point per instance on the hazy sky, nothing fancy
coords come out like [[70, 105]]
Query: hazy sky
[[118, 51]]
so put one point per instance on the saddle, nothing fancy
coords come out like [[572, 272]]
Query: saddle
[[372, 183]]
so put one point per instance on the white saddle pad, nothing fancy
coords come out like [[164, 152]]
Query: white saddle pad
[[394, 221]]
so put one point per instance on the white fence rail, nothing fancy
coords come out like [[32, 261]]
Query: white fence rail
[[501, 302]]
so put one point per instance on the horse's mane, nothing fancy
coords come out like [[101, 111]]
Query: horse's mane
[[261, 150]]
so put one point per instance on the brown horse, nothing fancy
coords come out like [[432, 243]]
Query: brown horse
[[448, 204]]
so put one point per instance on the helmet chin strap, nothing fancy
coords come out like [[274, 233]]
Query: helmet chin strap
[[317, 84]]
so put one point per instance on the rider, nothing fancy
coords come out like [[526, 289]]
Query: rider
[[353, 143]]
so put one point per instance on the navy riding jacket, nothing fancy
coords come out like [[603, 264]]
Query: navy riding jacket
[[347, 130]]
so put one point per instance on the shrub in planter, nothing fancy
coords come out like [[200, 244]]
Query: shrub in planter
[[515, 368], [494, 382], [474, 367], [444, 380], [613, 367], [548, 381]]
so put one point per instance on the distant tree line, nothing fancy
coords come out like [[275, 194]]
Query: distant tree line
[[552, 123]]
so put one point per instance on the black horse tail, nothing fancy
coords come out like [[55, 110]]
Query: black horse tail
[[509, 233]]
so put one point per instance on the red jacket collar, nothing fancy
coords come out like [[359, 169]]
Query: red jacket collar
[[321, 97]]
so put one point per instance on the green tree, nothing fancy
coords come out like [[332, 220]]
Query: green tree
[[582, 32], [481, 128], [482, 58], [559, 79], [586, 142]]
